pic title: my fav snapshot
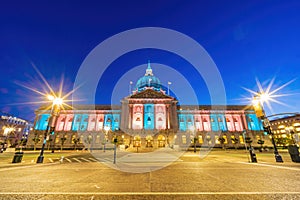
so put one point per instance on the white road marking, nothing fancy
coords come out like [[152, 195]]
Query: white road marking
[[77, 160], [67, 159], [50, 159], [93, 159], [147, 193]]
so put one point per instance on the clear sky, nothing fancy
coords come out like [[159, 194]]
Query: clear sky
[[246, 40]]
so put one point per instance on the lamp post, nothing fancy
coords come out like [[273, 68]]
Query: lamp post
[[260, 113], [55, 109], [115, 149]]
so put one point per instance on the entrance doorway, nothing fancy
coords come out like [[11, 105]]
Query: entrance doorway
[[149, 141], [161, 141], [137, 141]]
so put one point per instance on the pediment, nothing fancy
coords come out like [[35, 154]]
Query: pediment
[[151, 94]]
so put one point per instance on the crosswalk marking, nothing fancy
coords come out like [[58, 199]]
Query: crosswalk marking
[[76, 160], [93, 159], [81, 159]]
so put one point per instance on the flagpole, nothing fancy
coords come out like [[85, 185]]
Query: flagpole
[[169, 83], [130, 84]]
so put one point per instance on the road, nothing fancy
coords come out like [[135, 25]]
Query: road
[[220, 175]]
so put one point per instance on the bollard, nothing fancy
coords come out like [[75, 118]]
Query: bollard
[[17, 157], [61, 159]]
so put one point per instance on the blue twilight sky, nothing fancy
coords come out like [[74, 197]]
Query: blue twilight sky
[[246, 40]]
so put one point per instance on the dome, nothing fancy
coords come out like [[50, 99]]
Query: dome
[[148, 80]]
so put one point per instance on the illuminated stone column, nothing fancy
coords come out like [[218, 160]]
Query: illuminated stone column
[[160, 116], [137, 116], [92, 122], [68, 122], [238, 123], [130, 117], [229, 122], [60, 123], [245, 125]]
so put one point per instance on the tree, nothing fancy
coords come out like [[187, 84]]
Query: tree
[[89, 140], [208, 139], [222, 142], [249, 141], [48, 143], [62, 140], [260, 142], [283, 141], [235, 141], [22, 143], [194, 140], [76, 141], [36, 140]]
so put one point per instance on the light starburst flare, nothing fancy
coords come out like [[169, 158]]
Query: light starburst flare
[[48, 95], [268, 94]]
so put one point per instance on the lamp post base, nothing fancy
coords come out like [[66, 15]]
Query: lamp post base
[[40, 159], [278, 158]]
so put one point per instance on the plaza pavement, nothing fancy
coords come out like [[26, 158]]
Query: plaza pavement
[[220, 175]]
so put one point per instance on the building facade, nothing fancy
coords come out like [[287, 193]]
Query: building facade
[[149, 118], [286, 130], [13, 130]]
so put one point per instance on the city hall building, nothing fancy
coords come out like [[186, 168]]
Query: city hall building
[[150, 119]]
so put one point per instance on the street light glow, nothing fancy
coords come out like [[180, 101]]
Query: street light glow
[[8, 130], [50, 97], [264, 97], [267, 94], [58, 101]]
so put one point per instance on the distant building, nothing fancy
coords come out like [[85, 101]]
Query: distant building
[[149, 118], [13, 129], [286, 129]]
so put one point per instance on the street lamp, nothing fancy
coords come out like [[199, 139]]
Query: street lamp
[[257, 102], [55, 109], [115, 149]]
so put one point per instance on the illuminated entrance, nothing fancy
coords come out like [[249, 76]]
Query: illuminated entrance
[[137, 141], [161, 140], [149, 141]]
